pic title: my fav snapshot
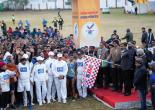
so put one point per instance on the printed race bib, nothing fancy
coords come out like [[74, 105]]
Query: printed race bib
[[40, 71], [6, 77], [59, 69], [79, 64], [23, 69]]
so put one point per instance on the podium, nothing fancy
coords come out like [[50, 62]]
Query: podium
[[86, 19]]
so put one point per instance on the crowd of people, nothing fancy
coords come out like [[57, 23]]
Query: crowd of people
[[44, 66]]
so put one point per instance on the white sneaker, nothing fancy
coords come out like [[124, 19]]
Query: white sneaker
[[48, 101], [64, 101], [59, 100], [32, 104], [25, 104], [40, 104], [44, 101], [53, 100]]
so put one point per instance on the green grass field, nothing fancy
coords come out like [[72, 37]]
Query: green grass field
[[115, 20]]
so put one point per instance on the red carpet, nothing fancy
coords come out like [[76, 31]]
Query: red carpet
[[118, 100]]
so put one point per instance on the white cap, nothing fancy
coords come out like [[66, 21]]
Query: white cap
[[59, 55], [25, 56], [40, 58], [6, 55], [51, 53]]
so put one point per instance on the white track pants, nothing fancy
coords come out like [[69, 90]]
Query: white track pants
[[31, 92], [81, 89], [61, 88], [51, 89], [41, 93]]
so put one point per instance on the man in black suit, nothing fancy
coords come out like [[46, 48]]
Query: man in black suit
[[144, 35], [150, 38]]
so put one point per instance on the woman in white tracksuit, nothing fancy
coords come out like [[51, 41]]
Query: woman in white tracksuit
[[51, 89], [40, 78], [60, 70], [24, 80], [82, 90]]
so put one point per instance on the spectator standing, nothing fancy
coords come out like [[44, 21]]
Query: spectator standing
[[150, 38], [144, 35], [140, 81], [128, 36], [152, 83], [13, 19], [115, 56]]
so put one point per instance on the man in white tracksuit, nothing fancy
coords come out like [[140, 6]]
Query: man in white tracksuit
[[31, 82], [51, 89], [82, 90], [24, 80], [40, 77], [60, 70]]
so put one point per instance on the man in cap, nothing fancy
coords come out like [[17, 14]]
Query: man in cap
[[51, 89], [24, 80], [40, 76], [30, 65], [10, 65], [80, 63], [60, 70]]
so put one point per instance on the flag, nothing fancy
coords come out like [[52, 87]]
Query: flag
[[91, 69]]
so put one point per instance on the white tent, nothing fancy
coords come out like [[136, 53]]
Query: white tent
[[152, 5], [143, 8]]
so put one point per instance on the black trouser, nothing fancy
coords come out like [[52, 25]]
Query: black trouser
[[106, 76], [127, 79], [28, 97], [153, 97], [117, 78], [99, 80], [4, 99]]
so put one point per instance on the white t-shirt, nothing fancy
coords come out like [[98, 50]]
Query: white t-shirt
[[5, 80]]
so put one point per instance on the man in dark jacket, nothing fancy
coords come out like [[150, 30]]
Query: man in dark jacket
[[128, 36], [127, 66], [140, 81], [150, 38], [144, 35]]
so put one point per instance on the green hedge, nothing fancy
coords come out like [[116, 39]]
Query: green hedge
[[1, 7]]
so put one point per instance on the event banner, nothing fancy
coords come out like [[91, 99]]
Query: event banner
[[141, 1], [91, 70], [86, 22]]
